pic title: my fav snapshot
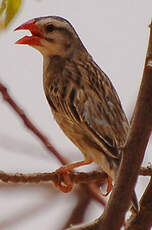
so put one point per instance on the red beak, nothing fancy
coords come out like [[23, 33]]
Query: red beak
[[33, 40]]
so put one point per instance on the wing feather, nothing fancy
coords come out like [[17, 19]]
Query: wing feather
[[96, 105]]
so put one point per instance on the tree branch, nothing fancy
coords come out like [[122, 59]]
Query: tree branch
[[133, 151], [143, 220], [75, 177]]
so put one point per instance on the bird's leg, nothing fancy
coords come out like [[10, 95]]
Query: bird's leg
[[72, 166], [109, 186], [64, 182]]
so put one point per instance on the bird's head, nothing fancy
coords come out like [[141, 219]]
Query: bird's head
[[51, 36]]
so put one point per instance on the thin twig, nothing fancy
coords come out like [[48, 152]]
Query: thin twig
[[145, 171], [29, 124], [75, 177], [80, 208]]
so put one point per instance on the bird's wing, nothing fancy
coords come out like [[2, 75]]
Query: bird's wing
[[97, 108]]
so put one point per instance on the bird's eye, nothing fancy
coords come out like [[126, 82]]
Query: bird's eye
[[50, 28]]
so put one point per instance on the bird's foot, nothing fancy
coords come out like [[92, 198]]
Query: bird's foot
[[64, 182], [109, 186]]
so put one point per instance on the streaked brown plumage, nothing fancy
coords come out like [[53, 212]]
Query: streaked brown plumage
[[86, 107], [82, 98]]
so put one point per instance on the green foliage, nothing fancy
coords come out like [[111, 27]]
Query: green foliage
[[8, 9], [3, 6]]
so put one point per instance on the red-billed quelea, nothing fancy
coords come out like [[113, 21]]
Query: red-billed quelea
[[82, 98]]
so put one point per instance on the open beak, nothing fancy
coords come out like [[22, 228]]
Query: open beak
[[34, 39]]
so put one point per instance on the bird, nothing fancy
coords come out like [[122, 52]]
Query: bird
[[82, 98]]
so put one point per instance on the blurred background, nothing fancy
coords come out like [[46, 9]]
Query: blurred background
[[116, 35]]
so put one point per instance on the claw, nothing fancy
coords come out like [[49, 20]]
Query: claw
[[64, 182], [109, 187]]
